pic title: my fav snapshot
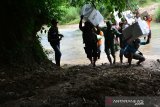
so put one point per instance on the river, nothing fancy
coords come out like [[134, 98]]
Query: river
[[73, 52]]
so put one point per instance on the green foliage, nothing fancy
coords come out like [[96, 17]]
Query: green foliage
[[132, 4], [110, 5], [158, 15], [71, 14], [21, 19], [156, 0], [106, 7], [142, 2]]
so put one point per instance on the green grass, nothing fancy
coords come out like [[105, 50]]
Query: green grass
[[71, 15], [157, 16]]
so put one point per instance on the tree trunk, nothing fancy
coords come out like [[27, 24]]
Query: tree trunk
[[18, 41]]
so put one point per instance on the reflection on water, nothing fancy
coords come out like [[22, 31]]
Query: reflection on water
[[73, 52]]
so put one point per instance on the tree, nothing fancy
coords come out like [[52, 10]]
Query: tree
[[106, 7], [108, 4], [21, 19]]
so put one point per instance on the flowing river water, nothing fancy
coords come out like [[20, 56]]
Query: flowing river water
[[73, 51]]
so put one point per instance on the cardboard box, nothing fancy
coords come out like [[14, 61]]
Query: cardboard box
[[145, 13], [139, 28], [91, 14], [86, 11], [95, 17]]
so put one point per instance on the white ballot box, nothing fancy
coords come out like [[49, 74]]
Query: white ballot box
[[91, 14], [86, 11]]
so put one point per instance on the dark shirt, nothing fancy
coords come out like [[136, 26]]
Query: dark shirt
[[89, 37], [132, 48], [53, 36], [109, 35], [129, 49]]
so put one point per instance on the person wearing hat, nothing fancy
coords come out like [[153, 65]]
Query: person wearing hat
[[54, 38]]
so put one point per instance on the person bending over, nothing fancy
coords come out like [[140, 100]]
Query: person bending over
[[131, 52]]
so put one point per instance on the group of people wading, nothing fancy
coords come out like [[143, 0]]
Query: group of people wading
[[92, 42]]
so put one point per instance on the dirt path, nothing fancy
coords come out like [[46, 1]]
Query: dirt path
[[150, 9], [85, 86]]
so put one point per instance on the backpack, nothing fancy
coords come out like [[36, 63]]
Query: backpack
[[53, 35]]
